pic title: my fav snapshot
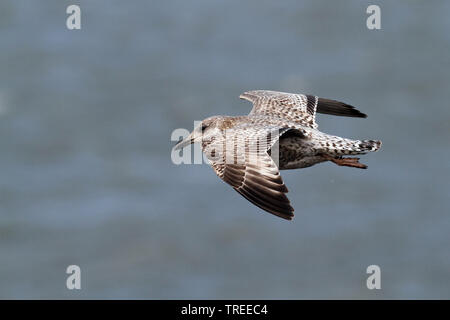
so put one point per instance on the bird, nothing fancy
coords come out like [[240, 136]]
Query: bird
[[279, 133]]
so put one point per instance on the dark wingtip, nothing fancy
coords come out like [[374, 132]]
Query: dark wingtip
[[355, 112], [286, 216], [338, 108]]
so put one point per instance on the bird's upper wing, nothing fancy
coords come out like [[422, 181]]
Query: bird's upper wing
[[249, 169], [300, 108]]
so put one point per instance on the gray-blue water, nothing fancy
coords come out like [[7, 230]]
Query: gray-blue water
[[86, 176]]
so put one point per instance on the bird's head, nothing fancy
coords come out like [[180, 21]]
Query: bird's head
[[206, 131]]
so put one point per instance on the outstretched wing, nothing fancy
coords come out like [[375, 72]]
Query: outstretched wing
[[249, 169], [300, 108]]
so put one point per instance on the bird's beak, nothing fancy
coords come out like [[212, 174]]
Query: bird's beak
[[190, 139]]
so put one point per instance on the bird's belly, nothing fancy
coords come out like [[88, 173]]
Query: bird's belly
[[296, 152], [303, 162]]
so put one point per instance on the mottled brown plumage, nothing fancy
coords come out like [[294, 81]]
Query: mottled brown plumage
[[280, 132]]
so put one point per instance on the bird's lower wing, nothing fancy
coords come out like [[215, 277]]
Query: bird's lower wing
[[255, 176]]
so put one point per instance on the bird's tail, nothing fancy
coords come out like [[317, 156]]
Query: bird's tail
[[363, 146], [339, 146]]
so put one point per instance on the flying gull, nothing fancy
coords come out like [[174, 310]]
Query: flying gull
[[279, 133]]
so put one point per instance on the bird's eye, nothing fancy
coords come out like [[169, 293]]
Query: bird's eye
[[203, 127]]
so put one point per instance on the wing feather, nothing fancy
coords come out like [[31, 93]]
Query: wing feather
[[299, 108], [256, 177], [338, 108]]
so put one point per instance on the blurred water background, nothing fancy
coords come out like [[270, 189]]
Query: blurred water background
[[86, 176]]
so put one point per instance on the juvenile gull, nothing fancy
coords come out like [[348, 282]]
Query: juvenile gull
[[279, 133]]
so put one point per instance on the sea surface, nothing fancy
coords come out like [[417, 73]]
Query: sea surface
[[86, 176]]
